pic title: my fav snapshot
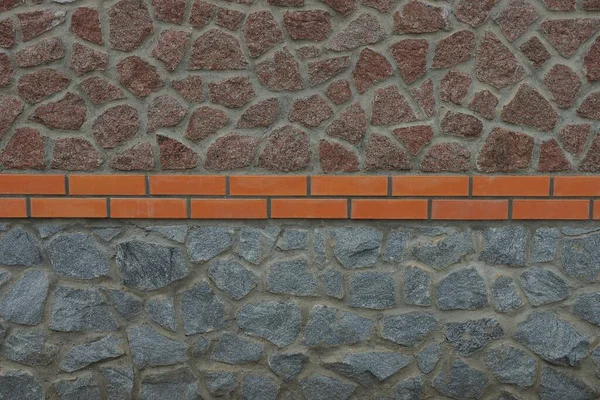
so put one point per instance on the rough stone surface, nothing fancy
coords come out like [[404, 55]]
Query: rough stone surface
[[116, 125], [202, 310], [40, 53], [462, 290], [469, 336], [261, 32], [26, 150], [287, 149], [221, 383], [38, 85], [170, 48], [280, 73], [68, 113], [578, 255], [440, 254], [287, 365], [587, 307], [190, 88], [232, 349], [310, 111], [150, 348], [76, 310], [461, 124], [292, 277], [361, 31], [390, 107], [370, 368], [35, 23], [321, 387], [335, 157], [449, 156], [85, 59], [11, 108], [529, 108], [260, 115], [206, 243], [564, 85], [356, 247], [101, 91], [163, 385], [84, 386], [460, 380], [371, 290], [555, 385], [419, 17], [139, 76], [474, 12], [505, 245], [411, 57], [232, 277], [82, 355], [505, 151], [258, 387], [77, 255], [454, 86], [130, 24], [414, 138], [231, 152], [85, 23], [278, 322], [542, 286], [308, 25], [29, 347], [505, 295], [175, 155], [510, 364], [329, 327], [161, 310], [25, 300], [216, 50], [568, 34], [75, 154], [408, 329], [428, 358], [454, 49], [495, 64]]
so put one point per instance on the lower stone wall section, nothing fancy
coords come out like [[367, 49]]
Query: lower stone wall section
[[298, 310]]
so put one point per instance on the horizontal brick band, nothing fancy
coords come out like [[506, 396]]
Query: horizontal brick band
[[431, 197]]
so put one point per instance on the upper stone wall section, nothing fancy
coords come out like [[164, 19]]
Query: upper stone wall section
[[300, 86]]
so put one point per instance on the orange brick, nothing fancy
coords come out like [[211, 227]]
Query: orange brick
[[511, 186], [32, 184], [577, 186], [207, 185], [551, 209], [242, 185], [469, 209], [148, 208], [430, 186], [13, 208], [68, 208], [349, 185], [596, 214], [389, 209], [309, 208], [107, 185], [229, 208]]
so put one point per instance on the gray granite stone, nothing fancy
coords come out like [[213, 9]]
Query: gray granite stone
[[505, 246], [29, 347], [396, 245], [417, 284], [374, 290], [255, 244], [20, 248], [462, 290], [82, 387], [587, 307], [505, 295], [25, 300], [328, 326], [259, 387], [428, 358], [150, 348], [176, 233], [76, 309], [231, 277], [511, 365], [47, 230], [21, 385], [371, 367], [235, 349], [460, 381], [82, 355], [334, 283], [553, 339], [545, 241], [580, 257], [469, 336], [200, 347], [440, 254], [220, 383], [356, 247], [179, 384], [409, 328], [276, 321], [119, 382], [202, 310], [322, 387], [4, 277], [542, 286], [320, 246], [292, 277], [409, 389], [127, 304], [107, 233], [293, 239], [596, 360], [578, 230], [287, 365], [556, 385], [208, 242], [161, 309]]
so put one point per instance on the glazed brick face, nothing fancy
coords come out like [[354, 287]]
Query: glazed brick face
[[300, 87]]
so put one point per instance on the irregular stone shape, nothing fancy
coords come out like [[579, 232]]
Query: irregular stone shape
[[232, 349], [280, 73], [128, 305], [461, 124], [515, 19], [544, 244], [454, 49], [414, 138], [579, 255], [85, 59], [416, 287], [277, 322], [370, 68], [310, 111], [107, 233], [75, 154], [529, 108], [170, 48], [308, 25], [553, 339], [344, 7], [474, 12], [356, 247], [202, 310], [29, 347], [350, 125], [138, 76], [261, 32], [82, 387], [590, 5], [577, 231], [408, 329], [205, 243], [43, 52], [161, 310], [450, 157], [574, 137], [231, 277], [440, 254], [201, 13], [411, 58], [137, 158], [180, 382], [309, 51], [10, 108], [587, 307], [337, 158], [130, 24], [567, 35], [373, 290], [26, 150], [419, 17], [409, 389], [469, 336], [460, 381], [390, 107], [293, 239], [163, 112], [564, 85], [68, 113], [115, 126], [339, 92], [101, 91], [221, 383], [190, 88], [77, 255], [175, 155], [82, 355], [232, 92], [590, 63], [510, 364], [7, 33], [484, 103], [287, 149], [590, 107], [322, 71], [495, 64], [150, 348], [361, 31], [505, 295], [231, 151], [254, 244], [322, 387], [40, 84], [260, 115], [24, 302], [76, 310], [230, 19], [287, 365], [330, 327], [292, 277], [370, 368], [454, 86], [505, 151], [333, 282], [542, 286], [35, 23], [85, 23], [148, 266], [20, 384], [216, 50], [556, 385], [201, 347], [428, 358], [382, 154], [6, 70], [504, 245], [256, 387], [462, 290], [169, 10], [560, 5], [396, 244]]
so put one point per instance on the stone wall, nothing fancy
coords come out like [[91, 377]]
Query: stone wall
[[118, 310]]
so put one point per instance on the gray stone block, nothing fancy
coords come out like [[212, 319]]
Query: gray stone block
[[587, 307], [24, 303], [374, 290], [150, 348], [556, 385], [329, 326], [206, 243], [202, 310], [505, 246], [334, 283], [410, 389], [428, 358], [255, 244], [469, 336], [440, 254], [21, 385], [20, 248], [231, 277], [161, 309], [278, 322], [417, 287], [235, 349], [542, 286], [259, 387], [128, 305], [322, 387], [29, 347], [408, 329], [220, 383], [511, 365], [287, 365], [176, 233], [505, 295], [82, 387], [292, 277], [80, 356], [545, 241], [76, 309], [293, 239], [461, 381], [580, 257], [396, 246], [462, 290], [180, 384], [356, 247], [119, 382]]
